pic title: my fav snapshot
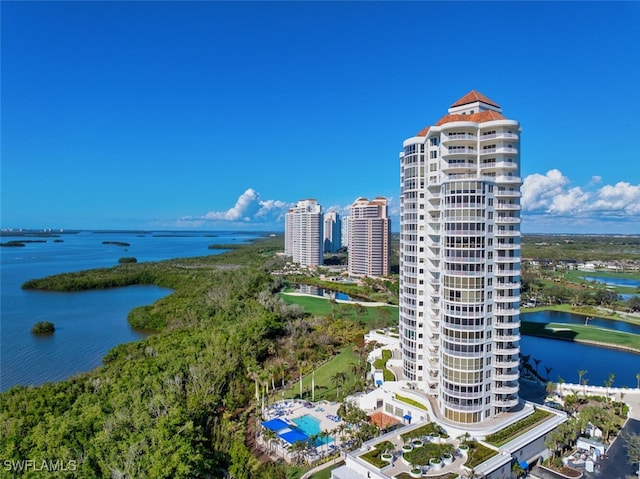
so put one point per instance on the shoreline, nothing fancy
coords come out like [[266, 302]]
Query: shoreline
[[559, 308], [590, 342]]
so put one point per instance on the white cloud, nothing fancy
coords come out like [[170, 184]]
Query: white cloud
[[538, 191], [622, 198], [246, 202], [551, 194], [249, 208], [595, 180]]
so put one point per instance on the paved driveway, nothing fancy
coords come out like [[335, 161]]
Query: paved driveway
[[617, 465]]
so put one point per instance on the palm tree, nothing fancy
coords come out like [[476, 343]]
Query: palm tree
[[638, 378], [584, 386], [608, 382], [298, 448], [338, 379], [252, 372], [269, 435], [560, 383], [548, 370], [581, 372], [302, 368]]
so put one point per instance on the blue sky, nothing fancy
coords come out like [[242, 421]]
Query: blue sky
[[219, 115]]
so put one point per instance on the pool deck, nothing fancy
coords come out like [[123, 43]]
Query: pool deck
[[289, 410]]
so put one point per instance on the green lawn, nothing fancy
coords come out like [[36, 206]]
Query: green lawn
[[326, 473], [322, 307], [325, 389], [577, 332]]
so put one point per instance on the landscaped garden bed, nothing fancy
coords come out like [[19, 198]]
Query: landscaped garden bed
[[477, 454], [379, 456], [518, 428], [429, 429]]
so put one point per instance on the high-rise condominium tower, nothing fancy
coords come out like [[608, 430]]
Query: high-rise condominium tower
[[346, 221], [369, 237], [332, 232], [460, 260], [303, 239]]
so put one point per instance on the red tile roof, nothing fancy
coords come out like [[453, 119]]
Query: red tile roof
[[382, 420], [480, 117], [474, 96], [424, 131]]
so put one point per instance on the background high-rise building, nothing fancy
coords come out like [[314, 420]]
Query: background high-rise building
[[460, 260], [303, 239], [369, 238], [332, 232], [346, 221]]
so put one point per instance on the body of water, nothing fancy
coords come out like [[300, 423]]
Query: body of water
[[632, 283], [325, 293], [566, 358], [88, 323], [311, 427], [568, 318]]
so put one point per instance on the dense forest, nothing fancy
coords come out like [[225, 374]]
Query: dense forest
[[176, 404]]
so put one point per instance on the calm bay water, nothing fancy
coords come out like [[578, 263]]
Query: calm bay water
[[88, 323], [633, 283], [566, 358]]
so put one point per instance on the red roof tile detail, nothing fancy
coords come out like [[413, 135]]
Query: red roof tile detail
[[474, 96], [480, 117], [382, 420]]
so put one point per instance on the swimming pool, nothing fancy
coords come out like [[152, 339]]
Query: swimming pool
[[311, 427]]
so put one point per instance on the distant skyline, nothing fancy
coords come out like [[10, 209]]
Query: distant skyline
[[222, 115]]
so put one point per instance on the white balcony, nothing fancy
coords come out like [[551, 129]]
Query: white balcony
[[499, 135], [506, 363], [508, 338], [507, 219], [506, 389], [506, 324], [508, 179], [459, 150], [508, 298], [507, 376], [507, 272], [506, 402], [507, 206], [508, 193], [456, 259], [507, 246], [458, 137], [512, 349], [507, 233], [465, 408]]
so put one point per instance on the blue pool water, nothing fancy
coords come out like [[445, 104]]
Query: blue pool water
[[311, 427]]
